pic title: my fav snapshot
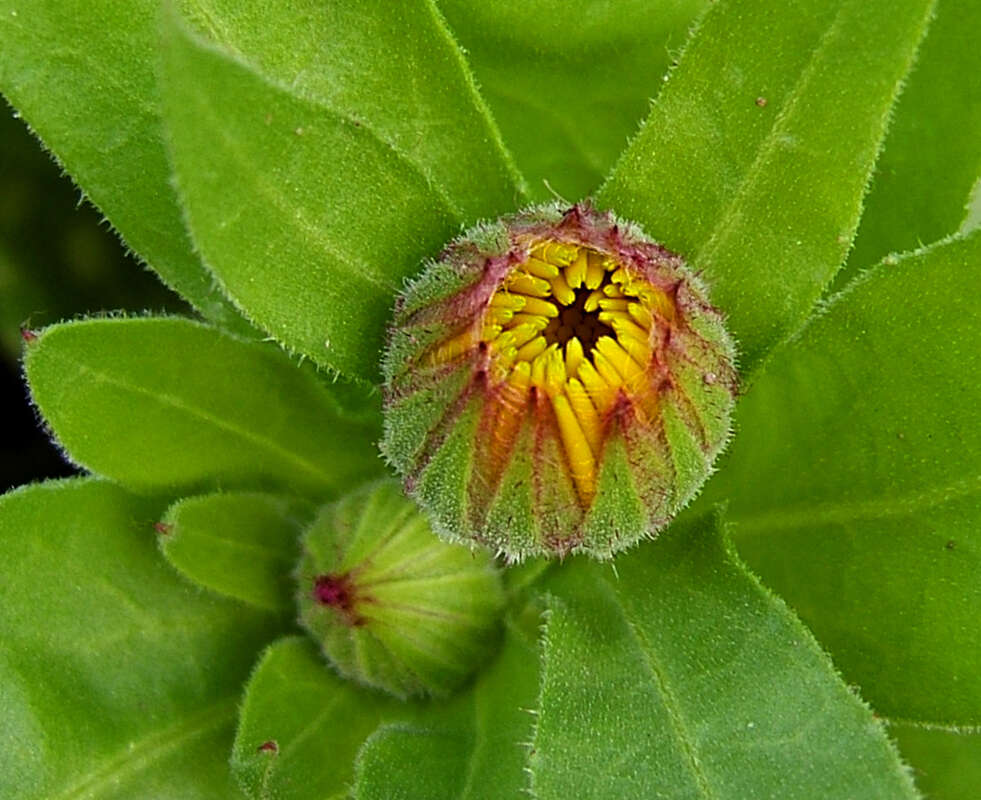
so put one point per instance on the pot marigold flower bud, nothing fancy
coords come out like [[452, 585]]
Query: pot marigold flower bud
[[391, 605], [556, 383]]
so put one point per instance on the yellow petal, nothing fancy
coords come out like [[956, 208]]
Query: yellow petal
[[561, 290], [575, 273], [573, 355], [523, 283], [582, 464], [532, 349], [541, 269], [594, 271], [589, 418], [535, 305]]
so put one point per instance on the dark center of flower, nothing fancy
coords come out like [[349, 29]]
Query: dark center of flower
[[575, 321]]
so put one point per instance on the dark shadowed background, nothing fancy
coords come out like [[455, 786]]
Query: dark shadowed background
[[58, 260]]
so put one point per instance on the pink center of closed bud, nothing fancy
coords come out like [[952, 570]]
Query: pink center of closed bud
[[335, 591]]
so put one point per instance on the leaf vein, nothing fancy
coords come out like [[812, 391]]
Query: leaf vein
[[671, 704], [152, 747], [733, 210], [225, 425]]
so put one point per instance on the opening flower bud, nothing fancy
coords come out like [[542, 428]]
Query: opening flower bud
[[556, 383], [391, 605]]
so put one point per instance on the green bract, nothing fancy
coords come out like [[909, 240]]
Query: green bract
[[291, 169]]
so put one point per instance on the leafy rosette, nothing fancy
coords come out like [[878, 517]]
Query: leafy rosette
[[556, 382]]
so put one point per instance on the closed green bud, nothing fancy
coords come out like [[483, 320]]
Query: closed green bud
[[391, 605], [556, 383]]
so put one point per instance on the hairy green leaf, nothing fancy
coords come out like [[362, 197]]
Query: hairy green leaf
[[82, 75], [855, 482], [240, 544], [301, 725], [930, 159], [316, 180], [117, 678], [397, 71], [169, 404], [972, 218], [568, 95], [756, 154], [946, 765], [677, 675], [473, 748]]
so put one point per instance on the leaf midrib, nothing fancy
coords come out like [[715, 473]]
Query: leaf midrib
[[338, 114], [767, 146], [139, 756], [647, 652], [173, 401], [879, 508]]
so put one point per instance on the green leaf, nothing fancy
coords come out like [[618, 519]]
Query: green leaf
[[117, 678], [946, 764], [855, 482], [930, 159], [569, 96], [83, 76], [677, 675], [972, 218], [471, 749], [754, 160], [321, 163], [240, 544], [169, 404], [301, 726]]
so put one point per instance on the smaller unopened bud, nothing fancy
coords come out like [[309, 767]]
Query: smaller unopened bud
[[391, 605]]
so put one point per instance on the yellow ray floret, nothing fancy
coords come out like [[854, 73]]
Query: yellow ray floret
[[607, 370], [514, 302], [582, 464], [592, 301], [523, 283], [532, 349], [587, 415], [563, 293], [573, 356], [541, 269], [575, 274], [535, 305], [594, 271], [558, 253], [536, 320], [641, 315], [522, 334], [624, 326], [453, 348], [602, 393], [612, 303], [639, 351], [629, 370]]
